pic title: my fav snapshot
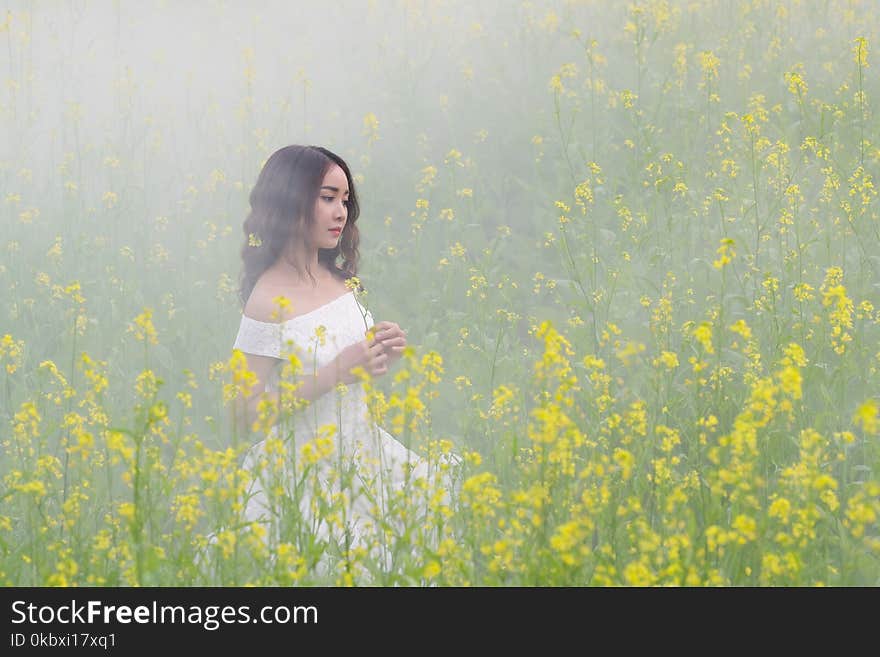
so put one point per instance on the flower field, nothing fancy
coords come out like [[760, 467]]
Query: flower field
[[635, 247]]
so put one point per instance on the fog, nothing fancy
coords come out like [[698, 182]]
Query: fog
[[634, 247], [135, 130], [175, 89]]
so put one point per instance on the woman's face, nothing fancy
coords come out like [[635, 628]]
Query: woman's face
[[331, 209]]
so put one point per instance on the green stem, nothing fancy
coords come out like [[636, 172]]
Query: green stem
[[495, 358], [757, 219], [861, 112], [136, 525]]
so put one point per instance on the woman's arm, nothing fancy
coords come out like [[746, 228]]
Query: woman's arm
[[263, 354], [309, 387], [363, 358], [244, 408]]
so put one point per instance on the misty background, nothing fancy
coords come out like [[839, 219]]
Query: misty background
[[135, 130]]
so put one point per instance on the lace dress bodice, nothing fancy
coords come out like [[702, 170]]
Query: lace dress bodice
[[344, 319], [316, 338]]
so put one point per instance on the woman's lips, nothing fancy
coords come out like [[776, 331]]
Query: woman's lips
[[336, 231]]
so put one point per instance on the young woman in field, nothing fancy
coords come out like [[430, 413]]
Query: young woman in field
[[298, 287]]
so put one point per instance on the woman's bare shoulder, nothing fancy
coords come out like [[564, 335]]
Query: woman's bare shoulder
[[262, 304]]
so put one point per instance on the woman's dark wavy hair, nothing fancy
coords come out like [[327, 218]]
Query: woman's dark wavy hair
[[282, 207]]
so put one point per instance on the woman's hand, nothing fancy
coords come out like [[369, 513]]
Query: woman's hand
[[366, 354], [392, 338]]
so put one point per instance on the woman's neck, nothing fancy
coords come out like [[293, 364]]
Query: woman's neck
[[320, 272]]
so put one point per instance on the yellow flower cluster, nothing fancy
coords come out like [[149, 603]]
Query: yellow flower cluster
[[11, 351], [142, 327], [841, 316], [243, 379], [725, 252]]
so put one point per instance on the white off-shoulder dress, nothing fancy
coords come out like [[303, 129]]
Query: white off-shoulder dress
[[369, 468]]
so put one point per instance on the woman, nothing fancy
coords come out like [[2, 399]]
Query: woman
[[330, 473]]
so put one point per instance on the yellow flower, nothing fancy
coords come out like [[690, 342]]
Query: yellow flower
[[638, 574], [432, 569], [626, 461], [429, 174], [116, 442], [790, 381], [569, 541], [11, 351], [480, 494], [709, 66], [321, 334], [35, 487], [55, 251], [840, 318], [796, 83], [186, 509], [741, 328], [746, 527], [667, 359], [143, 328], [629, 351], [353, 283], [867, 417], [147, 384], [321, 447], [725, 253], [126, 510], [371, 127], [282, 307], [703, 334], [860, 52], [243, 379], [794, 353]]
